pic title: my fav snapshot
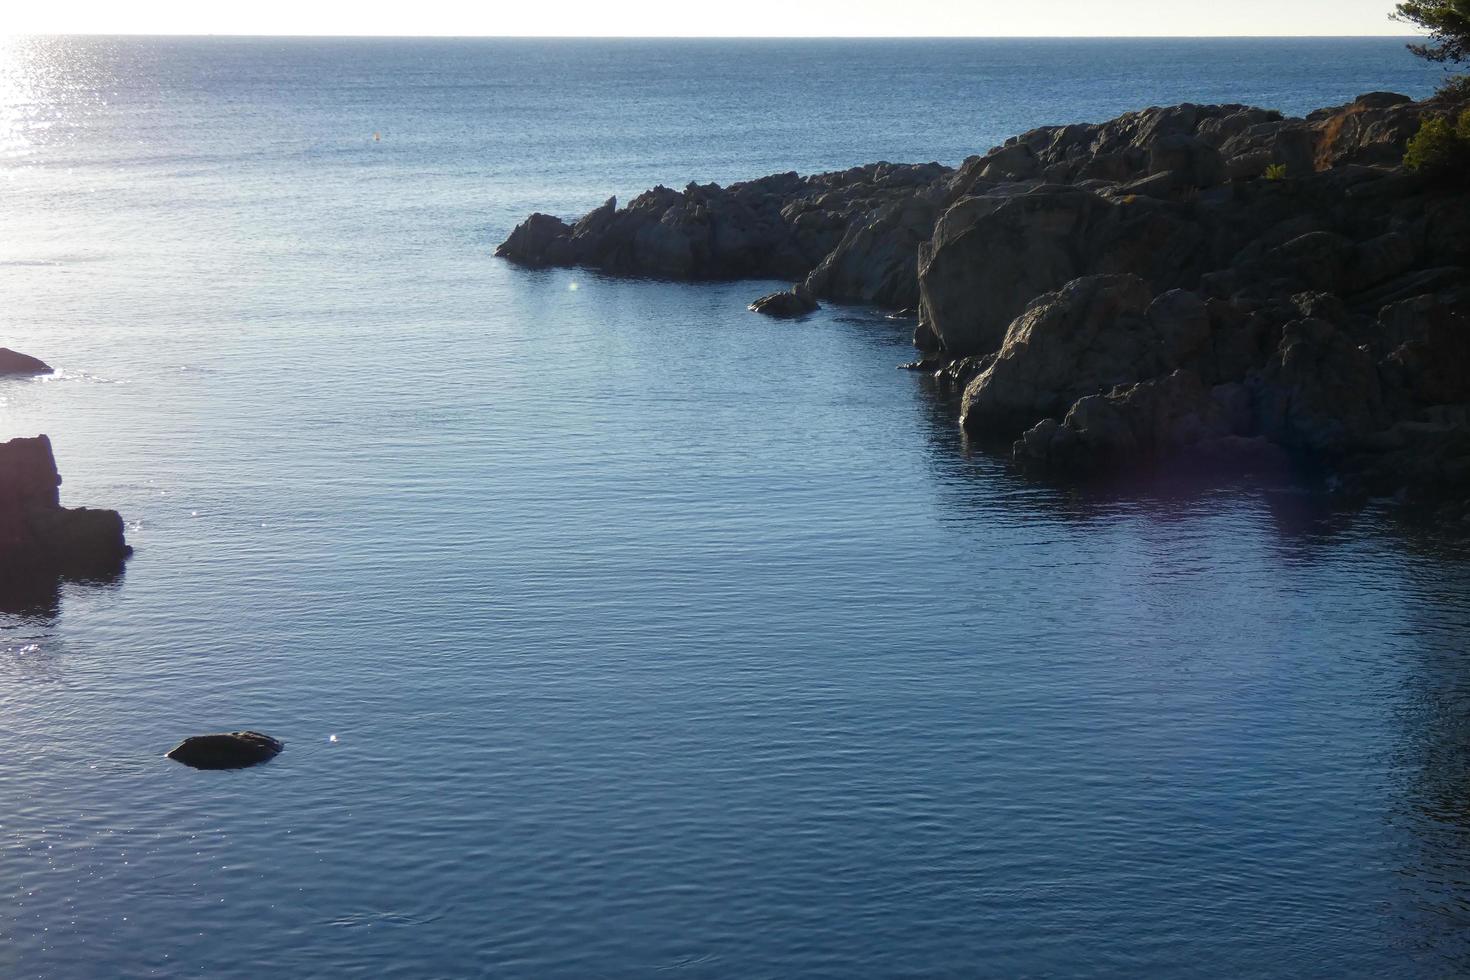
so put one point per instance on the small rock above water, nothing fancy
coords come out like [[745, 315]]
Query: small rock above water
[[227, 750], [39, 537], [14, 362], [785, 304]]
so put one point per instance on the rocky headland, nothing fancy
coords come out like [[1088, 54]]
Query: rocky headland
[[41, 539], [1216, 284]]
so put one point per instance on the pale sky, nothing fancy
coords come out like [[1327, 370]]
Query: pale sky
[[738, 18]]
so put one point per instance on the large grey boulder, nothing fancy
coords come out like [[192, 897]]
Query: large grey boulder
[[1129, 426], [1320, 391], [877, 261], [1094, 334], [1373, 129], [1429, 338], [992, 255], [1189, 160]]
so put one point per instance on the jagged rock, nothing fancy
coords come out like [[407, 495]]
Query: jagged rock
[[229, 750], [1412, 285], [877, 261], [14, 362], [40, 537], [1127, 426], [1372, 129], [1320, 391], [1175, 419], [1287, 143], [1319, 260], [1095, 333], [1010, 163], [785, 304], [781, 226], [990, 256], [535, 242], [1430, 357], [1190, 160]]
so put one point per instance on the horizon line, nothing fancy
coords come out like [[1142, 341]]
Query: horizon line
[[736, 37]]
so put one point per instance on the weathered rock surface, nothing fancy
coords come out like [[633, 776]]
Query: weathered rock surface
[[14, 362], [40, 537], [1214, 281], [1091, 335], [228, 750]]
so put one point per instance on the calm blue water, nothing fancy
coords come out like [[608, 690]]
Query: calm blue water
[[655, 637]]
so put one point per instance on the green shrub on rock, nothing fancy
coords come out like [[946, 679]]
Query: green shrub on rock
[[1441, 148], [1456, 88]]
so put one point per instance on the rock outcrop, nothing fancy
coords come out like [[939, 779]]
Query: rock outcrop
[[39, 537], [14, 362], [1218, 281], [779, 227], [1095, 333], [228, 750]]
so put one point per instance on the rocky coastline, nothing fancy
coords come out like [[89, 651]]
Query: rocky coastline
[[1185, 284]]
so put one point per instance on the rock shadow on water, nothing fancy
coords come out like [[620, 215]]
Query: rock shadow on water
[[37, 593], [982, 474]]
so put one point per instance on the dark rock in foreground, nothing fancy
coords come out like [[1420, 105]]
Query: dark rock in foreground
[[785, 304], [14, 362], [229, 750], [39, 537]]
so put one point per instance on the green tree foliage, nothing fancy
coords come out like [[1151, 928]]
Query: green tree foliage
[[1448, 24], [1456, 88], [1441, 148]]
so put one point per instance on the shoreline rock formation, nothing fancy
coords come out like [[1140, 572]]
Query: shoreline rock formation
[[39, 537], [1217, 282]]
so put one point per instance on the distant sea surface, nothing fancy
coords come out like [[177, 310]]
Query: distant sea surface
[[616, 632]]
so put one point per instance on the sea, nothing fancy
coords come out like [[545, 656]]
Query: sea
[[616, 632]]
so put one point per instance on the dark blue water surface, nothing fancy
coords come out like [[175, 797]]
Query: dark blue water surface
[[616, 632]]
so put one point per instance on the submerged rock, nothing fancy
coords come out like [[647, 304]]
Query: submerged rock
[[229, 750], [40, 537], [14, 362]]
